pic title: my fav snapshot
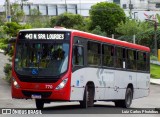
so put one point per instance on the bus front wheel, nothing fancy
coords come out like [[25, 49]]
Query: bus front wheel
[[39, 104], [88, 99], [126, 103]]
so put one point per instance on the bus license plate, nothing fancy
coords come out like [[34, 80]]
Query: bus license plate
[[36, 96]]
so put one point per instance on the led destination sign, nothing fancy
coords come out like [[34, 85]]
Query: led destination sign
[[44, 36]]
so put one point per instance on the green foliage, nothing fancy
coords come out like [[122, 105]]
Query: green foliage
[[3, 43], [147, 38], [17, 14], [36, 20], [98, 31], [107, 16], [131, 27], [67, 20], [2, 19], [12, 28], [144, 32], [155, 71], [158, 17], [126, 38], [2, 33], [7, 70], [128, 28], [85, 25], [153, 58], [53, 21], [34, 12]]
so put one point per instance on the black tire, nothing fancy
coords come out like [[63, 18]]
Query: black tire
[[39, 104], [126, 103], [118, 103], [88, 98]]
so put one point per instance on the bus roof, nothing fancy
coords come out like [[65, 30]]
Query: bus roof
[[94, 37], [46, 29], [111, 41]]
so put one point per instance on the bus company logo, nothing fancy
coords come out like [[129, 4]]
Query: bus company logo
[[100, 75], [6, 111]]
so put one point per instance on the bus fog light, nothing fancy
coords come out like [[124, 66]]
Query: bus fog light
[[62, 84], [15, 83]]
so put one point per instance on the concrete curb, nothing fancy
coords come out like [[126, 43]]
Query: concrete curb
[[155, 62], [154, 83]]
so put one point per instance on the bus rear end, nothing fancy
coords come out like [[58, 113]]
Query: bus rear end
[[41, 67]]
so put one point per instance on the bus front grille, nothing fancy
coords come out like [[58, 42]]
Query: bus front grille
[[38, 79]]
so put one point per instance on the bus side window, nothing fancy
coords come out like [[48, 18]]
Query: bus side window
[[107, 55], [119, 57], [141, 61], [94, 53], [131, 59], [78, 55]]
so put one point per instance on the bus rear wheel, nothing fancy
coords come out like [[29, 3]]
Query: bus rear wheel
[[39, 104], [88, 99], [126, 103]]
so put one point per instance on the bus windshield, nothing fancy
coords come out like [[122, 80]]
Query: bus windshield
[[41, 59]]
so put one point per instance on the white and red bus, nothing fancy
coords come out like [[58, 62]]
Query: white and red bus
[[52, 64]]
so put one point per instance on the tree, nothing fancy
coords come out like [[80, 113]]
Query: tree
[[17, 14], [10, 29], [83, 26], [3, 41], [98, 31], [107, 16], [36, 20], [158, 17], [2, 18], [147, 38], [131, 27], [67, 20]]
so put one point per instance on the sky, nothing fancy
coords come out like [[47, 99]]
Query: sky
[[55, 1]]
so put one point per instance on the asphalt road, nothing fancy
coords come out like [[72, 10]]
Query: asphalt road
[[67, 108]]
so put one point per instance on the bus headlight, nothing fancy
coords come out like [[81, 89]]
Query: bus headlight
[[15, 83], [62, 84]]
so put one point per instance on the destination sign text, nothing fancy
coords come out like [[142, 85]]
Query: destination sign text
[[44, 36]]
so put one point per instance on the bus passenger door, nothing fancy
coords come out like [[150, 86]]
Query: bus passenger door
[[77, 80]]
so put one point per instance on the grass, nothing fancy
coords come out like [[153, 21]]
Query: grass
[[155, 71]]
